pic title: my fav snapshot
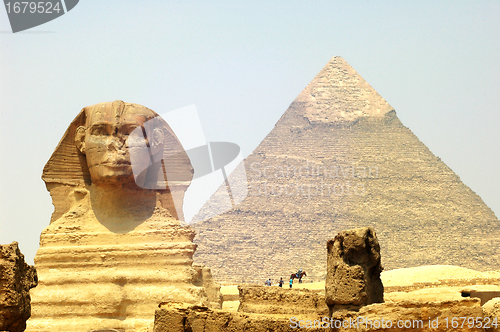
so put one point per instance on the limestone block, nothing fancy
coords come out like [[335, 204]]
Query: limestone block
[[483, 294], [353, 268], [418, 316], [211, 286], [491, 309], [182, 317], [16, 280], [284, 301], [439, 316]]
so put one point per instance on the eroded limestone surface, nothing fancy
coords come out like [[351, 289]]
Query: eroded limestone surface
[[115, 247], [354, 267], [417, 316], [283, 301], [16, 280], [182, 317], [439, 316], [491, 309]]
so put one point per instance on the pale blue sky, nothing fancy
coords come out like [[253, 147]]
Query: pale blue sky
[[242, 64]]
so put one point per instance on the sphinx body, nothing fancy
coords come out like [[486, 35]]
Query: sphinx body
[[115, 247]]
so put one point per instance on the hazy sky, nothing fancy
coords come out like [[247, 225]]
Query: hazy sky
[[241, 64]]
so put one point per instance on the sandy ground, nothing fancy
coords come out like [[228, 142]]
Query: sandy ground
[[461, 277], [432, 273], [406, 277]]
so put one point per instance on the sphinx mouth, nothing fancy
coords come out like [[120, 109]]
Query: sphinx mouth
[[116, 164]]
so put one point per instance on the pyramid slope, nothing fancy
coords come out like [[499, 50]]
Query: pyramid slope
[[309, 179]]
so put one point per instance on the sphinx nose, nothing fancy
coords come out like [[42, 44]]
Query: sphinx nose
[[116, 143]]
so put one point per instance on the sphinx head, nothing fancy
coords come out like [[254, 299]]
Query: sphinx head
[[117, 134], [119, 145]]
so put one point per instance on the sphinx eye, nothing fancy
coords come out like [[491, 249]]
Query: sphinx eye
[[136, 137], [100, 131], [127, 130]]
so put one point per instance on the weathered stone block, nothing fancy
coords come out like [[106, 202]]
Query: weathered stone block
[[417, 316], [16, 279], [211, 286], [282, 301], [183, 317], [353, 268], [491, 311], [483, 295]]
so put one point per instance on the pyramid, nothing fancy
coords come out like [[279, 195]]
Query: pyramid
[[339, 158]]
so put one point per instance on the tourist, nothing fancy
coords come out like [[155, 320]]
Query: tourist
[[281, 282], [268, 282], [291, 282]]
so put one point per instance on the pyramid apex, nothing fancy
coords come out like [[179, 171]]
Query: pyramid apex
[[339, 94]]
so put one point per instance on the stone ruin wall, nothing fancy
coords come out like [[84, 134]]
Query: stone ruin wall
[[252, 316], [345, 305]]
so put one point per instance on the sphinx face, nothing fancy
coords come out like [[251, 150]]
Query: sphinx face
[[108, 144]]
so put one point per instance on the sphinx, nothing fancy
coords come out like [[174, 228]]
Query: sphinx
[[116, 245]]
